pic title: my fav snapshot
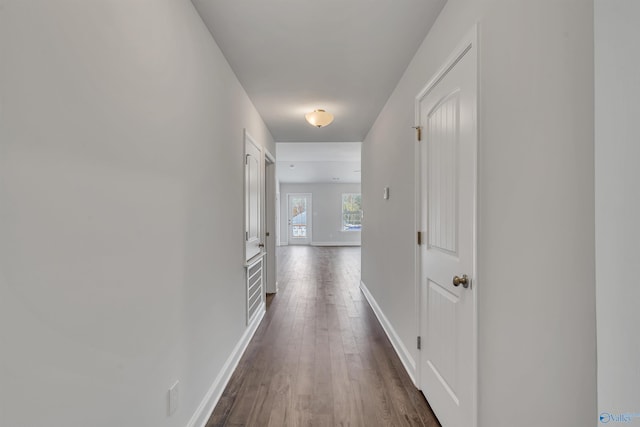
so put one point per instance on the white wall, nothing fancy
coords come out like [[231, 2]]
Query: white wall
[[121, 175], [617, 204], [327, 213], [536, 285]]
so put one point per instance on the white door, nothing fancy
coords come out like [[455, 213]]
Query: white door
[[252, 190], [447, 116], [299, 217]]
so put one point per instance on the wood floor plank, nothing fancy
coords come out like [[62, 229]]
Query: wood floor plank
[[320, 357]]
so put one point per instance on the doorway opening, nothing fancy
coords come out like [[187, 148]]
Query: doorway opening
[[270, 218]]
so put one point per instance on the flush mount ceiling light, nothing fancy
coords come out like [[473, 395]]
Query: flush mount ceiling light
[[319, 118]]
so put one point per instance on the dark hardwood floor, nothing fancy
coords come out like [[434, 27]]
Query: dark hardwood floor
[[320, 357]]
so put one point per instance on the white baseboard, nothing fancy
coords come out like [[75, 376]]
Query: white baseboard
[[208, 404], [405, 356], [335, 244]]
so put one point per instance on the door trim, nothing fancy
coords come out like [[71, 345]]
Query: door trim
[[469, 42]]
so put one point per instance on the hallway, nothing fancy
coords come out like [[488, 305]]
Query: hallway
[[320, 357]]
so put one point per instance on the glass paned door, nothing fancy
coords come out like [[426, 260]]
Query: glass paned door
[[299, 213]]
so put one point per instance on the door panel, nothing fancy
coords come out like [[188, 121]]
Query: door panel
[[442, 329], [442, 177], [447, 114]]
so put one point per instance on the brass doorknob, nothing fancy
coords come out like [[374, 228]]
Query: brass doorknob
[[464, 281]]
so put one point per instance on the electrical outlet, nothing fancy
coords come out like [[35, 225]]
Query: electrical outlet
[[174, 398]]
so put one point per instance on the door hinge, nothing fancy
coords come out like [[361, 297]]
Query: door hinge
[[419, 343], [246, 235], [418, 132], [419, 238]]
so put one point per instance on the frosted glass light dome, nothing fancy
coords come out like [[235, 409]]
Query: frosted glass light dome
[[319, 118]]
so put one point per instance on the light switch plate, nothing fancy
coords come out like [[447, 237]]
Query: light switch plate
[[386, 193]]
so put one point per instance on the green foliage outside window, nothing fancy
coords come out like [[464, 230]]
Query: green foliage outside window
[[351, 212]]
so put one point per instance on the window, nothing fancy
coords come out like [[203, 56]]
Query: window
[[351, 212]]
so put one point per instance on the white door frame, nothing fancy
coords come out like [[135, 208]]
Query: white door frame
[[470, 41], [308, 239]]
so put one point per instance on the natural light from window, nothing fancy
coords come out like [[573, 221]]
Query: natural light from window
[[351, 212]]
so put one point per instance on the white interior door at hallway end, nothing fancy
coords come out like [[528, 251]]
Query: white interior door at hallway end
[[447, 114]]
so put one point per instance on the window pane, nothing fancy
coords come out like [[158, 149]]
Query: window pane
[[351, 212], [298, 207]]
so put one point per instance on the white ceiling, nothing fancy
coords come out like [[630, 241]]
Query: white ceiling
[[329, 162], [294, 56]]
